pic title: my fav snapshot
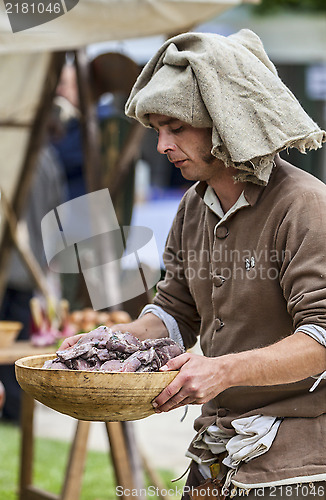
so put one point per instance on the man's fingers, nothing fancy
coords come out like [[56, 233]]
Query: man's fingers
[[175, 363], [186, 388], [70, 341], [169, 392], [179, 399], [176, 391], [187, 401]]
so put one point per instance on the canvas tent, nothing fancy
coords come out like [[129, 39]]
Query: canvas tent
[[31, 60], [93, 21]]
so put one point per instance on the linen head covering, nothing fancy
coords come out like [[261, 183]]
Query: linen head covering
[[230, 85]]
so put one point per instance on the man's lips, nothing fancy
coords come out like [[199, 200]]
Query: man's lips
[[178, 163]]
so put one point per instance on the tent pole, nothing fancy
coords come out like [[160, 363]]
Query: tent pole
[[90, 129], [126, 160]]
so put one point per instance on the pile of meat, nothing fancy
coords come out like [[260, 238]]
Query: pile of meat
[[104, 350]]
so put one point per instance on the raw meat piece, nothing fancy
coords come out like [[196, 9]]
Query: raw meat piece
[[81, 364], [98, 337], [105, 355], [114, 365], [75, 351], [102, 349], [158, 342], [168, 352], [165, 348], [55, 364], [138, 361], [93, 351], [132, 363], [123, 342]]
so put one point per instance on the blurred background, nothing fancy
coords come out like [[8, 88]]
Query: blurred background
[[63, 86]]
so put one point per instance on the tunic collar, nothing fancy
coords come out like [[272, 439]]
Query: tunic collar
[[251, 191], [213, 203]]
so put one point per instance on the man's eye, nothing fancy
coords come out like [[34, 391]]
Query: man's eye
[[177, 130]]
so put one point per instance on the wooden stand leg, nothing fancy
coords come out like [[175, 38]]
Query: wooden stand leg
[[123, 451], [27, 444], [74, 474], [134, 455], [129, 464], [120, 458], [154, 478], [26, 489]]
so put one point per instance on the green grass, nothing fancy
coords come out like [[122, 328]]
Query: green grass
[[50, 461], [9, 461]]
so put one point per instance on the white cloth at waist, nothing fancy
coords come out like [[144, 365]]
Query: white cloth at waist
[[254, 437]]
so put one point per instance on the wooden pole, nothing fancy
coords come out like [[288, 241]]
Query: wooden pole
[[74, 474], [120, 458], [23, 249], [89, 123], [27, 444], [128, 154]]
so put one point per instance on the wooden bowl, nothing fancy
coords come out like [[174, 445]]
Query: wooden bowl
[[87, 395], [9, 331]]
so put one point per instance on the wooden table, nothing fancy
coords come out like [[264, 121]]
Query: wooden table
[[20, 349], [122, 448]]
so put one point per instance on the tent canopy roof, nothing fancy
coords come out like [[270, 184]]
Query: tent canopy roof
[[92, 21], [26, 55]]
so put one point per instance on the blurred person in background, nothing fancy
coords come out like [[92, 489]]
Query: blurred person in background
[[68, 143], [48, 190]]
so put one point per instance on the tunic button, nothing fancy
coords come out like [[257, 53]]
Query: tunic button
[[218, 324], [218, 280], [221, 232]]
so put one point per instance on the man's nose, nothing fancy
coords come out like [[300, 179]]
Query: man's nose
[[164, 143]]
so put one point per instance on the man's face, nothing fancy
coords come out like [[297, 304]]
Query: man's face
[[188, 148]]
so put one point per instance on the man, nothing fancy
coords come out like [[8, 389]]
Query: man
[[245, 267]]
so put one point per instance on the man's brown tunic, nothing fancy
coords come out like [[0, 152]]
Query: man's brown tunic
[[247, 283]]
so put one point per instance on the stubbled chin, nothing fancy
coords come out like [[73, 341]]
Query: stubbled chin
[[188, 175]]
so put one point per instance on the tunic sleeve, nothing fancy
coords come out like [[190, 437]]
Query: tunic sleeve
[[173, 294], [301, 240]]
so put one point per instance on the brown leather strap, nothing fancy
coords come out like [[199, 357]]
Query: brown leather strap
[[209, 490]]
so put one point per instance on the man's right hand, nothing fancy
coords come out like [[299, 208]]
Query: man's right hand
[[148, 326], [70, 341]]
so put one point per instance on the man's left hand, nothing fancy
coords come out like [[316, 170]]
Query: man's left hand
[[199, 380]]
